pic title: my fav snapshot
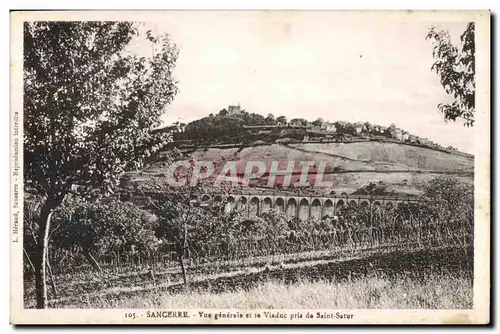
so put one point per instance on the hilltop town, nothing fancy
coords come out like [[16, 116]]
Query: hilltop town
[[236, 126]]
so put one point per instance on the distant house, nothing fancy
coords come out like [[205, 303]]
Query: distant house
[[330, 127], [405, 136], [398, 133], [359, 128]]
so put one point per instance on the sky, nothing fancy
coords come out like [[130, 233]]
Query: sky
[[311, 65]]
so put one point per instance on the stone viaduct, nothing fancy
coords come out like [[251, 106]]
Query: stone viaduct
[[305, 207]]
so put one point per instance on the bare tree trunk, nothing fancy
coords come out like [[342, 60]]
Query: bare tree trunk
[[182, 252], [91, 260], [180, 257], [152, 273], [51, 276], [41, 255], [32, 266]]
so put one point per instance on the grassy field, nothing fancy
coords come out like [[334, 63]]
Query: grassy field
[[449, 290]]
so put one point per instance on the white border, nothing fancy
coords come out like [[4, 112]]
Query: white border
[[125, 4]]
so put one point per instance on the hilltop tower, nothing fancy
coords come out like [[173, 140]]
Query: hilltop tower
[[234, 110]]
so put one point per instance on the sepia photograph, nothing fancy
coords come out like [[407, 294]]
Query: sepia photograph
[[243, 167]]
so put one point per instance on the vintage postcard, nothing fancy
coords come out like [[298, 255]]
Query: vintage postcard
[[250, 167]]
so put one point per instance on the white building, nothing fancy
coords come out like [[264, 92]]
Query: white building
[[330, 127]]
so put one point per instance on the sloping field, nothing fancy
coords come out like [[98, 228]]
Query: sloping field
[[403, 168], [394, 155], [349, 156]]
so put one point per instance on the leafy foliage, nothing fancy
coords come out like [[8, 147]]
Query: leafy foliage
[[455, 66], [191, 217], [223, 127], [375, 189], [449, 199], [89, 111], [105, 226], [89, 105]]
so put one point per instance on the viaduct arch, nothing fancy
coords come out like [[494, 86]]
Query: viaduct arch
[[305, 207]]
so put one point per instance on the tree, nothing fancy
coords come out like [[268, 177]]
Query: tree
[[299, 122], [368, 127], [455, 66], [201, 129], [450, 200], [227, 128], [270, 119], [391, 131], [276, 223], [190, 216], [318, 123], [89, 110], [223, 112], [105, 227], [349, 128], [281, 119], [253, 118]]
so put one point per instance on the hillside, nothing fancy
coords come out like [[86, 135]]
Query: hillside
[[403, 168]]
